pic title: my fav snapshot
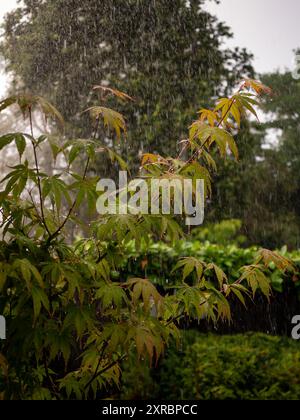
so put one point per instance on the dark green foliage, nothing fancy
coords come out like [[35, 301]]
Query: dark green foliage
[[209, 367]]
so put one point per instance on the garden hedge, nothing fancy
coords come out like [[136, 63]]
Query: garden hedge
[[210, 367]]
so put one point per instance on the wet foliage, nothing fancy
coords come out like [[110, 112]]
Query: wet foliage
[[71, 324]]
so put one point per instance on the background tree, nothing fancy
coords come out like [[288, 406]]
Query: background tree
[[264, 186], [171, 60], [284, 162], [168, 56]]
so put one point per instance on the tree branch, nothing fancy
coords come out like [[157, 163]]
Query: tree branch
[[38, 174], [105, 369]]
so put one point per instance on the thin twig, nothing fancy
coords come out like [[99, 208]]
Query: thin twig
[[105, 369], [172, 320], [38, 174], [53, 386], [98, 365]]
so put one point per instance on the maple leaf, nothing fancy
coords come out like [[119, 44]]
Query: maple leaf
[[144, 289], [148, 339], [149, 158], [112, 119], [189, 265], [256, 279], [208, 115], [280, 262], [230, 107], [121, 95], [257, 86], [221, 276], [27, 102], [246, 100]]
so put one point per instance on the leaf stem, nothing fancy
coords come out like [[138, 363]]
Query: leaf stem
[[105, 369]]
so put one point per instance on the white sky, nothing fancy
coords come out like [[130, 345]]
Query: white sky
[[270, 29], [5, 6]]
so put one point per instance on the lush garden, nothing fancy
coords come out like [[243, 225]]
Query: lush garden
[[77, 310], [141, 305]]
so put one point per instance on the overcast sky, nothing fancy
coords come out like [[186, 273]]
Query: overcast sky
[[270, 29]]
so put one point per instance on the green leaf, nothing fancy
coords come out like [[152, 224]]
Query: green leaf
[[4, 271], [143, 289], [57, 189], [28, 102], [20, 143], [103, 269], [224, 139], [111, 295], [238, 290], [40, 299], [6, 140], [256, 279], [112, 119], [247, 103], [29, 272], [189, 265], [221, 276]]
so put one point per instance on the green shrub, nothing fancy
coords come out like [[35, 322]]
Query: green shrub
[[210, 367], [227, 232]]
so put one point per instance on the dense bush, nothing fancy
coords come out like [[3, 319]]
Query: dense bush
[[156, 261], [242, 367], [226, 232]]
